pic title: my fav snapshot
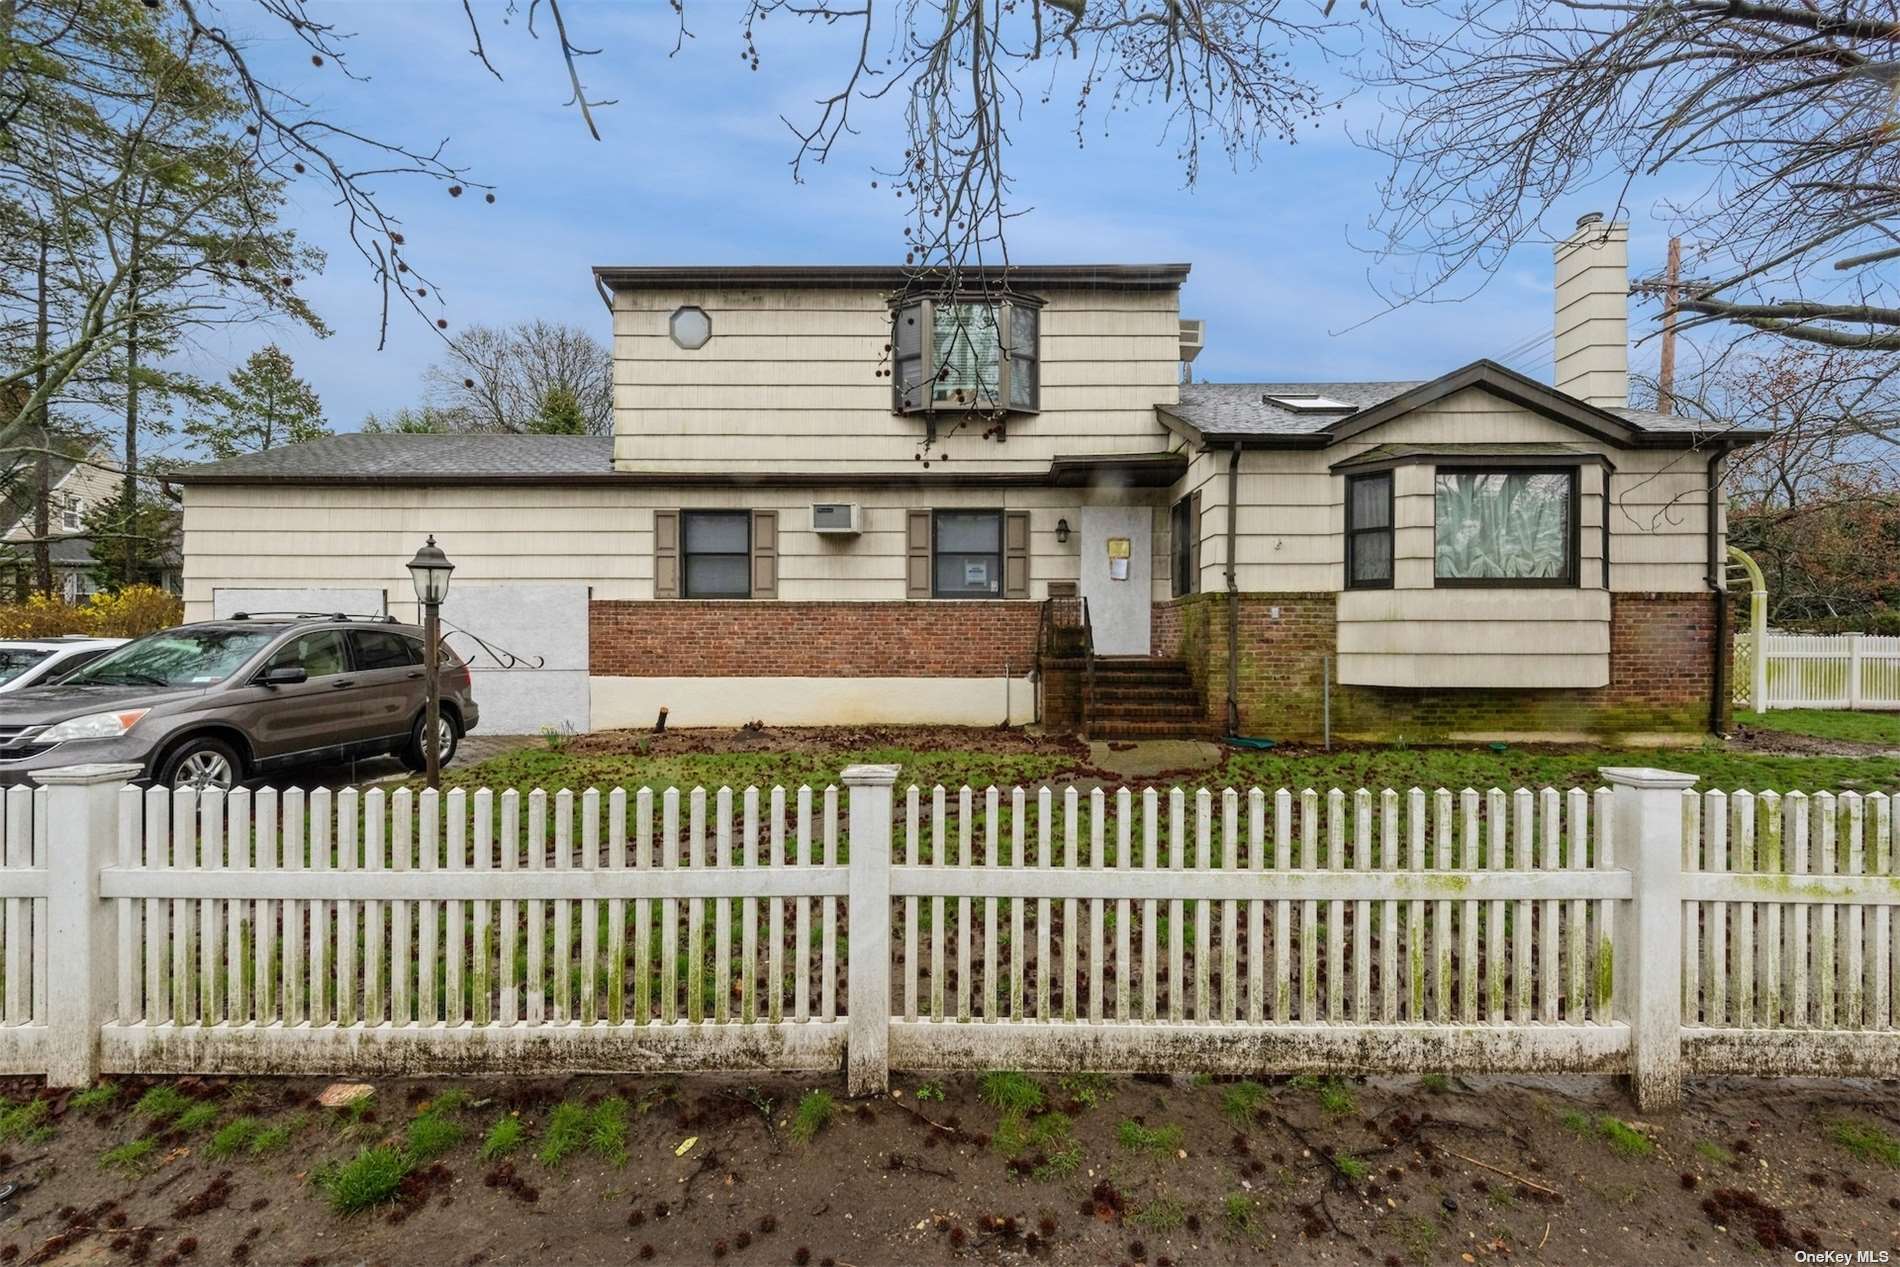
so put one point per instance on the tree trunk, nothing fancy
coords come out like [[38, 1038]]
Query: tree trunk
[[129, 501], [43, 464]]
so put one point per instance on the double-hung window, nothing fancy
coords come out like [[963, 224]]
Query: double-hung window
[[1505, 526], [953, 353], [1369, 531], [967, 554], [716, 553]]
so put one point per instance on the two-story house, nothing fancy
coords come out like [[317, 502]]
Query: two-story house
[[76, 484], [833, 495]]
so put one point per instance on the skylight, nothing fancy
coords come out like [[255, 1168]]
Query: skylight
[[1306, 403]]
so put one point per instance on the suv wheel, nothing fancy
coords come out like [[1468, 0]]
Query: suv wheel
[[415, 756], [202, 763]]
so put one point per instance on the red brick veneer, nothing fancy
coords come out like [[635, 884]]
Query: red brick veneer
[[773, 638], [1659, 674]]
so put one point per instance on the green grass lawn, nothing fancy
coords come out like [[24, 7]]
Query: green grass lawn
[[1374, 767], [1828, 723]]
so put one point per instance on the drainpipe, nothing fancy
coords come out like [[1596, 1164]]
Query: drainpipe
[[1233, 593], [1718, 670]]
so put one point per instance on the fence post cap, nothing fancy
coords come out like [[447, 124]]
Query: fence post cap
[[869, 775], [1646, 777], [93, 772]]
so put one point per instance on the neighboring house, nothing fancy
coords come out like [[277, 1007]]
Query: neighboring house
[[77, 486], [787, 526]]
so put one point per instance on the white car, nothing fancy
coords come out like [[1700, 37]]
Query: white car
[[43, 661]]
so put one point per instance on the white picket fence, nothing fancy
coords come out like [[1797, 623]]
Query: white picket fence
[[1638, 928], [1853, 671]]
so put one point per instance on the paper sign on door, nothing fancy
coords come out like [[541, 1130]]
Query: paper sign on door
[[1118, 555]]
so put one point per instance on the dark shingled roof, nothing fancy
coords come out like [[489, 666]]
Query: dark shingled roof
[[406, 458], [1243, 409]]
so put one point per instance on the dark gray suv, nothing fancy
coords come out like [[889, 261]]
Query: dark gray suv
[[210, 705]]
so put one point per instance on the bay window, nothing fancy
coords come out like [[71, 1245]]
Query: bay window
[[951, 354], [1509, 526]]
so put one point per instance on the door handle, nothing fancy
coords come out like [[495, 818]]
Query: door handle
[[340, 683], [413, 673]]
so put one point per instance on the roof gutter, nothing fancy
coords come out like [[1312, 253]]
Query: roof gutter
[[1718, 651]]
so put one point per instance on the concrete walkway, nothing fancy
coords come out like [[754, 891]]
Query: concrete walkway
[[1145, 758]]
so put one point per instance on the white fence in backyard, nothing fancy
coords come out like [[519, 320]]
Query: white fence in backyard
[[1638, 928], [1855, 671]]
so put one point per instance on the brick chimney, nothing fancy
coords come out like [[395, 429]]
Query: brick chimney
[[1593, 359]]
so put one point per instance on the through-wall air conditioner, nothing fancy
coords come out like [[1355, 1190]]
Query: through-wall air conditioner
[[1193, 339], [836, 519]]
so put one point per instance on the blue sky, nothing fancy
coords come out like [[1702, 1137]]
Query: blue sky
[[692, 169]]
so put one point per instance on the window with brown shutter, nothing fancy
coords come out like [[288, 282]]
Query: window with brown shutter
[[1016, 554], [666, 554], [917, 554], [765, 554]]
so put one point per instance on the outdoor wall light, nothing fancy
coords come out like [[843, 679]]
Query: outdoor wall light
[[1062, 531]]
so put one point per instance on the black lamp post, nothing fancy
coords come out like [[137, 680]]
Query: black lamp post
[[430, 571]]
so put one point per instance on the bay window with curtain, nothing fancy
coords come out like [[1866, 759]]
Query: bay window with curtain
[[1505, 527], [958, 353]]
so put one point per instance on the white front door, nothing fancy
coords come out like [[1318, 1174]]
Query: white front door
[[1117, 581]]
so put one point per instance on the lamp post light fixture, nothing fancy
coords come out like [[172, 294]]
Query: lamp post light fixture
[[1062, 531], [430, 571]]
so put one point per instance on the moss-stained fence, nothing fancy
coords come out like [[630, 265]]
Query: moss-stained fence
[[1637, 928]]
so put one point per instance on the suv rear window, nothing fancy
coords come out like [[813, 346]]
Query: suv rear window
[[380, 649]]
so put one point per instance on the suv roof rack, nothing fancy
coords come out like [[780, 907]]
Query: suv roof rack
[[384, 619]]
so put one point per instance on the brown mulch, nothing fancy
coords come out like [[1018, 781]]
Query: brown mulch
[[994, 741], [1492, 1169]]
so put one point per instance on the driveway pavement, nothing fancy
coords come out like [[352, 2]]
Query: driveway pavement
[[474, 749]]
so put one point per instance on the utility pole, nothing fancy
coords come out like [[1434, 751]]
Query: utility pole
[[1672, 283]]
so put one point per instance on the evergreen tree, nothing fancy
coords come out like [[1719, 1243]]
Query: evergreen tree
[[265, 406], [143, 535], [560, 414]]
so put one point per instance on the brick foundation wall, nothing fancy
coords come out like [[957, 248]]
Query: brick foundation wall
[[686, 638], [1659, 675]]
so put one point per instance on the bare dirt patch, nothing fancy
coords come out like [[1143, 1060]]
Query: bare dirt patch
[[989, 740], [1155, 1171], [1787, 743]]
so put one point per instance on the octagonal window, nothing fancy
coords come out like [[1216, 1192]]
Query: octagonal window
[[690, 327]]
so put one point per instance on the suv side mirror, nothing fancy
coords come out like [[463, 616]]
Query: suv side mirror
[[285, 675]]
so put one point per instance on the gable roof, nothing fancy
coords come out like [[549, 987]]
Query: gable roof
[[1225, 413]]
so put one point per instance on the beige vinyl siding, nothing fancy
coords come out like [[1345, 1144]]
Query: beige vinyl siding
[[1292, 506], [360, 537], [1291, 528], [794, 378], [1474, 637]]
